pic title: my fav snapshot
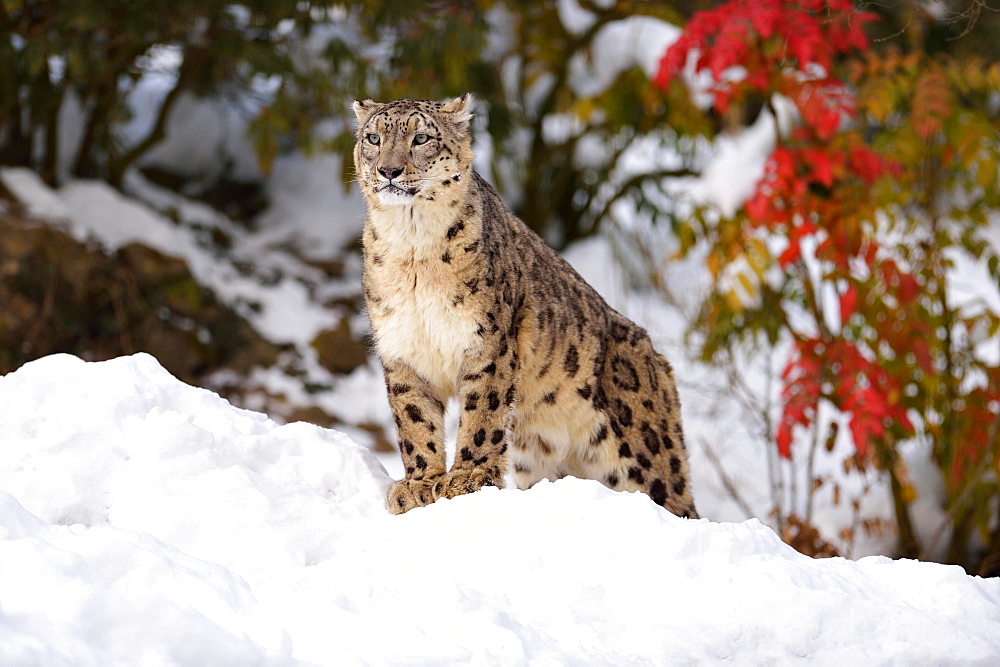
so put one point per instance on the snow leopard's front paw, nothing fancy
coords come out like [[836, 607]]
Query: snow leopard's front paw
[[460, 482], [407, 494]]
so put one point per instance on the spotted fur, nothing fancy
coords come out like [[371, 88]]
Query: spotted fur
[[466, 301]]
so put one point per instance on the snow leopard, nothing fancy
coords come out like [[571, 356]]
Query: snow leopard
[[466, 302]]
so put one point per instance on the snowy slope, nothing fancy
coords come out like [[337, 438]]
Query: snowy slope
[[149, 522]]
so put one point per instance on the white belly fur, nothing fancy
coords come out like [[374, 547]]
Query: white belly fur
[[423, 330], [418, 324]]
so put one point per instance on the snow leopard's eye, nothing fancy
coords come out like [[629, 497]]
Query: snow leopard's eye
[[419, 139], [373, 139]]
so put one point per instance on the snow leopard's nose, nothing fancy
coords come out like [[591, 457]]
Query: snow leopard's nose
[[390, 172]]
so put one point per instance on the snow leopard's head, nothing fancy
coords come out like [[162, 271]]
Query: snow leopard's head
[[411, 151]]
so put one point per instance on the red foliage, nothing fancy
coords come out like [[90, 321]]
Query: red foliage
[[793, 196], [848, 303], [775, 42], [811, 182], [800, 394], [787, 47], [876, 340], [859, 386], [974, 423]]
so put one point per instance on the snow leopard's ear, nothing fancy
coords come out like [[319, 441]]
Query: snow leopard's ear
[[364, 109], [460, 110]]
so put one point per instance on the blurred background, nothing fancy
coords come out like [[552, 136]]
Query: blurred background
[[798, 200]]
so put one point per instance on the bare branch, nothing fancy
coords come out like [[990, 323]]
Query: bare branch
[[726, 481]]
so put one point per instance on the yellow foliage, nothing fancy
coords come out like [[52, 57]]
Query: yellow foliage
[[713, 263], [733, 301], [758, 256], [748, 285]]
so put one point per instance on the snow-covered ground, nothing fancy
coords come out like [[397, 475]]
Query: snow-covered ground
[[144, 521]]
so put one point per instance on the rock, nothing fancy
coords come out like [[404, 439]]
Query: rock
[[338, 350], [61, 295]]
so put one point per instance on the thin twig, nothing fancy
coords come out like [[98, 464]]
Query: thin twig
[[726, 481]]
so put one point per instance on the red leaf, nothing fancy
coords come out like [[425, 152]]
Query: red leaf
[[791, 253], [806, 44], [822, 167], [784, 440], [757, 207], [922, 351], [801, 392], [860, 434], [783, 163], [867, 164], [673, 61], [848, 33], [720, 100], [909, 289], [765, 19], [848, 303]]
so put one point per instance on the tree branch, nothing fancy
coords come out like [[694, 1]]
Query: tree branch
[[638, 180], [727, 483], [194, 59]]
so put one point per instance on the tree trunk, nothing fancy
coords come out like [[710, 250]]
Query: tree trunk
[[50, 162], [85, 165], [908, 545], [193, 59], [989, 565], [16, 147]]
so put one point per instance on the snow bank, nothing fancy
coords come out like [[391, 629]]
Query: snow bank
[[144, 520], [98, 595]]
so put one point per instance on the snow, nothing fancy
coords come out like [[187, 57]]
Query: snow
[[206, 135], [146, 521], [310, 206], [39, 200], [737, 164], [619, 45]]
